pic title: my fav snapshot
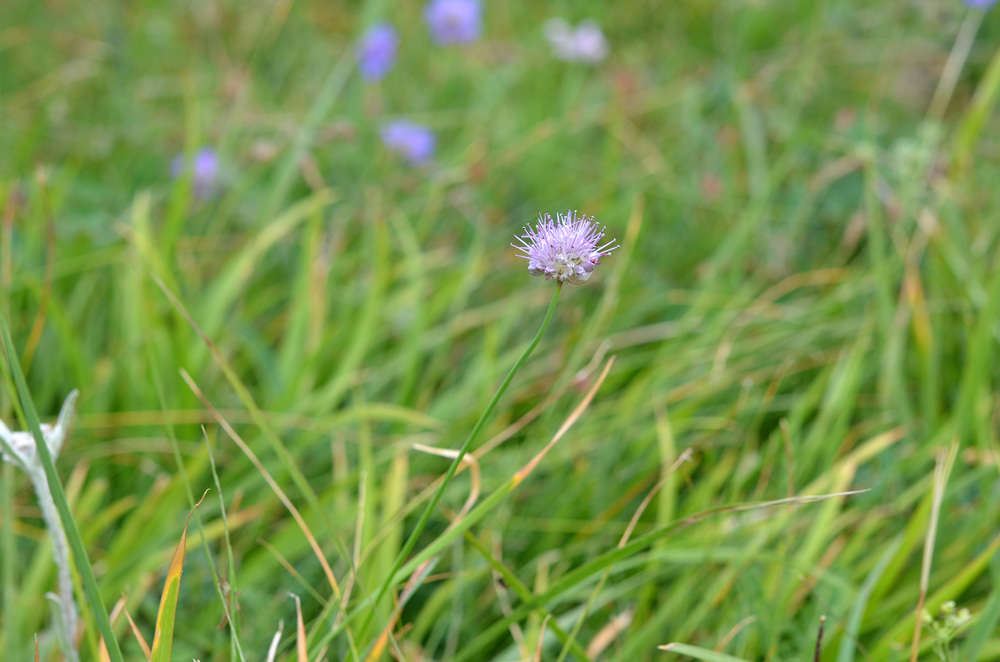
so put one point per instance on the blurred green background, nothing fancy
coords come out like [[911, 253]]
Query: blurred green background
[[805, 300]]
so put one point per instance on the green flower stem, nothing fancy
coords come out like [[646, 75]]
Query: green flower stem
[[59, 497], [480, 424]]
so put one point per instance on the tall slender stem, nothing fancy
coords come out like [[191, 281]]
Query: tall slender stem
[[60, 554], [411, 541], [953, 67]]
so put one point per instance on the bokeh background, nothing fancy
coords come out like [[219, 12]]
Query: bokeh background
[[805, 302]]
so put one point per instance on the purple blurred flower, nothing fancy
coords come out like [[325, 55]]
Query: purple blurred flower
[[454, 21], [566, 249], [412, 141], [376, 51], [981, 4], [204, 171], [584, 43]]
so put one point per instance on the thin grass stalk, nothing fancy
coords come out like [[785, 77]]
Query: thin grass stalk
[[972, 124], [429, 510], [228, 604], [942, 470], [953, 67]]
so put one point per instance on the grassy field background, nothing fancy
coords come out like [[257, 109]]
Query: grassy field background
[[805, 302]]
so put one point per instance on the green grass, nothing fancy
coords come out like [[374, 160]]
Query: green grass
[[806, 300]]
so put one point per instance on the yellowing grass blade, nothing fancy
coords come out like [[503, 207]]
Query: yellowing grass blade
[[102, 651], [164, 636], [138, 636], [416, 579], [537, 657], [302, 653]]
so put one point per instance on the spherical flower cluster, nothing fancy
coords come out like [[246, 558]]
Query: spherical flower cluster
[[413, 142], [376, 51], [205, 171], [981, 4], [454, 21], [566, 249]]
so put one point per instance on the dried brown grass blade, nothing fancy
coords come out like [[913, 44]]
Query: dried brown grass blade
[[475, 475], [138, 636], [537, 657], [116, 612], [681, 459], [609, 633], [733, 631], [301, 650], [526, 470], [317, 550], [411, 585]]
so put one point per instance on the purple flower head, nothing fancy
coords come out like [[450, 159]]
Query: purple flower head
[[204, 171], [414, 142], [454, 21], [376, 51], [981, 4], [566, 249]]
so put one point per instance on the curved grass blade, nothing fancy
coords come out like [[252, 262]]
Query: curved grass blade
[[137, 633], [301, 654], [700, 653], [164, 636], [849, 641]]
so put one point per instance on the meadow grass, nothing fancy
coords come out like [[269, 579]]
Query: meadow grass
[[805, 303]]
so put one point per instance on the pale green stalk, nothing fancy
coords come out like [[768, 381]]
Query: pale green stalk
[[953, 67], [68, 618]]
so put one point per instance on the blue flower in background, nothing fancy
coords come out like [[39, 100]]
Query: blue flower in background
[[981, 4], [454, 21], [414, 142], [377, 51], [204, 171]]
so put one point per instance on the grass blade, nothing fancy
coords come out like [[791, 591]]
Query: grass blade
[[700, 653], [412, 540], [137, 633], [59, 497], [853, 625], [164, 636], [301, 650]]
